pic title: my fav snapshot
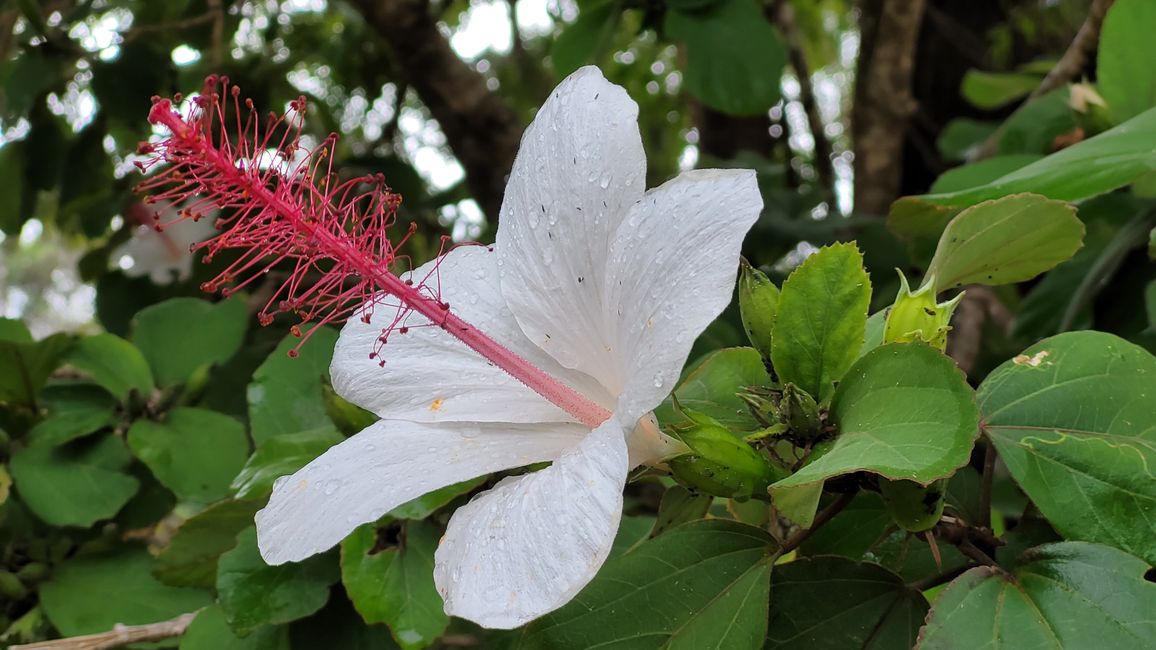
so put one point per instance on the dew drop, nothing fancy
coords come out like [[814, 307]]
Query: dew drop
[[658, 380], [480, 274], [331, 486]]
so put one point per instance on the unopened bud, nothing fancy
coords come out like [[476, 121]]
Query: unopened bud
[[762, 402], [719, 463], [914, 507], [800, 413], [916, 316], [758, 306]]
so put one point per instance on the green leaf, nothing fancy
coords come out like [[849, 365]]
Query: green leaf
[[1064, 595], [76, 484], [679, 506], [904, 411], [285, 395], [961, 135], [701, 585], [69, 425], [282, 456], [12, 213], [734, 59], [190, 559], [981, 172], [175, 350], [210, 631], [395, 585], [114, 363], [822, 319], [832, 603], [1095, 166], [1072, 417], [990, 90], [253, 593], [1123, 76], [94, 593], [27, 366], [193, 452], [712, 386], [582, 40], [1004, 241]]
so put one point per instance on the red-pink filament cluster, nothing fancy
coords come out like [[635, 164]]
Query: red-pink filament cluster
[[278, 201], [281, 201]]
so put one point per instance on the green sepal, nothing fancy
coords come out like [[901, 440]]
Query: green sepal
[[758, 306], [800, 413], [718, 463], [916, 316]]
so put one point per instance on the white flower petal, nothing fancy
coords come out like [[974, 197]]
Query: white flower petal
[[387, 464], [530, 544], [580, 166], [671, 271], [429, 376]]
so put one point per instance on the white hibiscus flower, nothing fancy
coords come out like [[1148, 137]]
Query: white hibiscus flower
[[597, 282], [164, 255]]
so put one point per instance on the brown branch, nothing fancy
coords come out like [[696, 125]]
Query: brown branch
[[795, 541], [119, 636], [481, 129], [883, 99], [824, 167], [1070, 65]]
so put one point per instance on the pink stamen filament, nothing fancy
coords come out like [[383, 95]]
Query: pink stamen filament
[[572, 402]]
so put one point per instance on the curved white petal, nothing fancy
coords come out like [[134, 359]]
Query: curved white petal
[[387, 464], [428, 375], [671, 271], [530, 544], [580, 166]]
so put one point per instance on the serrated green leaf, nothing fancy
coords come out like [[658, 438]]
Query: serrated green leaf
[[1064, 595], [253, 594], [706, 582], [832, 603], [395, 585], [711, 387], [210, 631], [1072, 417], [903, 411], [193, 452], [285, 395], [822, 319], [1124, 79], [175, 350], [190, 559], [93, 593], [1006, 240], [113, 363], [734, 59], [76, 484]]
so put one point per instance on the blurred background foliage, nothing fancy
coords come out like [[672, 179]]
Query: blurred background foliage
[[434, 94]]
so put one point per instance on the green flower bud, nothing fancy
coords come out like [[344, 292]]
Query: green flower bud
[[914, 507], [33, 572], [800, 413], [11, 587], [719, 463], [758, 306], [762, 402], [916, 316]]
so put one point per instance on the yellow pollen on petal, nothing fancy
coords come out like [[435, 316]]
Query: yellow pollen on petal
[[436, 405]]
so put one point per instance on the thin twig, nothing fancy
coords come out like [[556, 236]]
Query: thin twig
[[1068, 67], [985, 483], [119, 636], [794, 541], [216, 52], [824, 167], [972, 551], [938, 579]]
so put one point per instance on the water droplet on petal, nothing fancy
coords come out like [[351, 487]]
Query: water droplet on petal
[[658, 380], [331, 486]]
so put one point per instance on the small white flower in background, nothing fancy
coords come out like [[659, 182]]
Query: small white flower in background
[[601, 284], [164, 255]]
